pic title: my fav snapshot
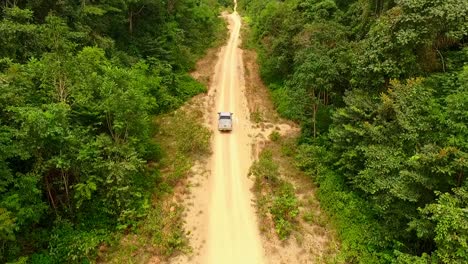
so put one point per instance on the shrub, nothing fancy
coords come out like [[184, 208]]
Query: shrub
[[256, 117], [70, 245], [164, 230], [275, 136], [192, 137], [284, 209], [265, 169], [283, 228], [280, 201], [285, 203]]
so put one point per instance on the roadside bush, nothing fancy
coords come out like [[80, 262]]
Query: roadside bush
[[185, 134], [180, 164], [274, 195], [188, 87], [285, 104], [163, 228], [40, 259], [256, 117], [310, 159], [283, 228], [275, 136], [265, 169], [361, 236], [284, 209], [194, 137], [69, 245]]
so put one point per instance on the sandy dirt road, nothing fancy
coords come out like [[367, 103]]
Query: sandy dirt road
[[233, 235], [221, 214]]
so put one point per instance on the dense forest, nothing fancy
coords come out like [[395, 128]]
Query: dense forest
[[380, 88], [79, 84]]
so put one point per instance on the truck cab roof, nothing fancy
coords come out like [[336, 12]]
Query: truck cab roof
[[225, 113]]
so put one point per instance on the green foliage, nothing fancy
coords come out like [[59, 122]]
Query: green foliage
[[180, 150], [396, 150], [283, 101], [166, 231], [161, 231], [387, 147], [74, 246], [391, 153], [7, 225], [284, 209], [283, 228], [274, 194], [275, 136], [350, 213], [79, 83], [256, 117], [449, 216], [309, 158], [178, 125], [265, 169], [18, 35]]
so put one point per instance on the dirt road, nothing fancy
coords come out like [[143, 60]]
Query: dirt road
[[233, 233], [221, 215]]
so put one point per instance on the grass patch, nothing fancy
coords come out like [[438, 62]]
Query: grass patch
[[275, 136], [256, 117]]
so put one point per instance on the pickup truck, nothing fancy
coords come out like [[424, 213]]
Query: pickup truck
[[225, 121]]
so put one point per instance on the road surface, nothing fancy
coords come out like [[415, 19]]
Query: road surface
[[220, 214], [233, 235]]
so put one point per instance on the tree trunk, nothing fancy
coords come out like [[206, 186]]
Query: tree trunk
[[49, 192], [109, 125], [315, 103], [460, 179], [314, 116], [61, 87], [130, 22], [65, 183], [131, 16]]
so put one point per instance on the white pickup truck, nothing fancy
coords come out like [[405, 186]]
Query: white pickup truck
[[225, 121]]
